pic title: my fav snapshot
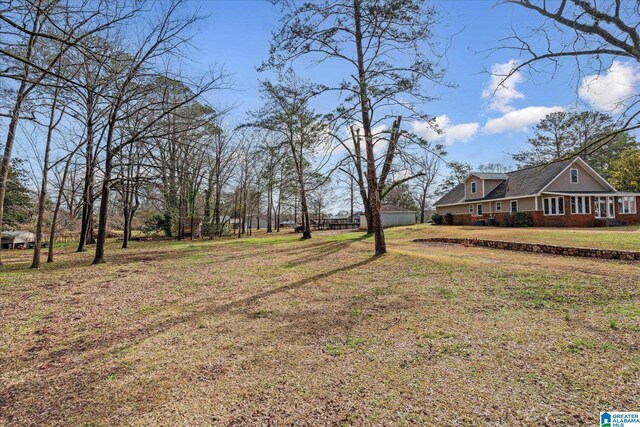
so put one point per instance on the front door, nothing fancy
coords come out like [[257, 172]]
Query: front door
[[604, 207]]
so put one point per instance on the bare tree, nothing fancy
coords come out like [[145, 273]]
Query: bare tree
[[424, 185], [364, 35], [286, 113], [163, 39], [27, 25], [589, 33]]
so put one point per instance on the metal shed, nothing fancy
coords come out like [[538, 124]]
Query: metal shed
[[392, 216], [18, 239]]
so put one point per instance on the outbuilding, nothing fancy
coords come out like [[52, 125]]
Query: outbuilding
[[18, 239], [391, 216]]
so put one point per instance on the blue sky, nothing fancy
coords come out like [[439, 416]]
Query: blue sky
[[477, 129]]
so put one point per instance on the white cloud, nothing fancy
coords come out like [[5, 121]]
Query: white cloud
[[502, 93], [609, 91], [450, 133], [462, 132], [519, 120]]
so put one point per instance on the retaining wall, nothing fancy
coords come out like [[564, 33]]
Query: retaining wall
[[539, 248]]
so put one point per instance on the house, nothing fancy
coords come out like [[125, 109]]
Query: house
[[562, 194], [392, 216], [18, 239]]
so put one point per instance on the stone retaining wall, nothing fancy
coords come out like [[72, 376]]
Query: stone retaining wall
[[539, 248]]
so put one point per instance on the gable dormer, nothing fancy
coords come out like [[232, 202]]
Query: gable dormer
[[478, 184], [473, 188]]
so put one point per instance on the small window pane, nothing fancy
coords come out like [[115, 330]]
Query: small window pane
[[561, 205], [574, 176]]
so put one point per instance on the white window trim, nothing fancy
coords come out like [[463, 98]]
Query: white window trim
[[558, 198], [474, 187], [585, 202], [498, 206], [511, 204], [635, 205], [577, 175], [479, 205]]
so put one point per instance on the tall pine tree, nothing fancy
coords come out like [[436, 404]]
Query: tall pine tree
[[564, 134]]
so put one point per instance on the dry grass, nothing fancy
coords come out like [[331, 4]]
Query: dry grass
[[274, 331]]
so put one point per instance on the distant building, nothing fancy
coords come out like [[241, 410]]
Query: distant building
[[561, 194], [391, 216], [18, 239]]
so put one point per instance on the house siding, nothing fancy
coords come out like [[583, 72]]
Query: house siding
[[467, 188], [461, 215], [586, 182]]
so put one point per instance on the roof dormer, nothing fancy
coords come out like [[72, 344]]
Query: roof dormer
[[479, 184]]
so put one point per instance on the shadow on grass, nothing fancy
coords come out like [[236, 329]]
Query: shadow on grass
[[18, 397], [159, 251]]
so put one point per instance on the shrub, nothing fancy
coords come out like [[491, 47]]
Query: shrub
[[157, 223], [436, 218], [518, 219], [448, 219]]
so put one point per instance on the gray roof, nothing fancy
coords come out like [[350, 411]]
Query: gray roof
[[393, 208], [17, 233], [489, 175], [523, 182]]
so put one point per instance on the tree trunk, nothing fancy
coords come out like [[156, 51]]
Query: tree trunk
[[423, 204], [87, 194], [127, 229], [21, 95], [104, 208], [54, 220], [8, 147], [42, 197], [374, 194]]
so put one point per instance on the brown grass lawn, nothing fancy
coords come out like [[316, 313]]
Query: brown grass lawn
[[274, 331]]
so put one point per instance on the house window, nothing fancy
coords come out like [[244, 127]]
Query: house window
[[473, 187], [553, 205], [479, 209], [514, 206], [574, 176], [580, 205], [627, 205], [471, 208], [498, 206]]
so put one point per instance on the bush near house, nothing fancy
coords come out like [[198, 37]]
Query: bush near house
[[448, 218], [518, 219], [436, 218]]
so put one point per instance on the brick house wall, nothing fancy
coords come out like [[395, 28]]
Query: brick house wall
[[567, 220], [630, 219]]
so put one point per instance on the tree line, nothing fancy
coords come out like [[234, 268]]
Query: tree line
[[94, 88]]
